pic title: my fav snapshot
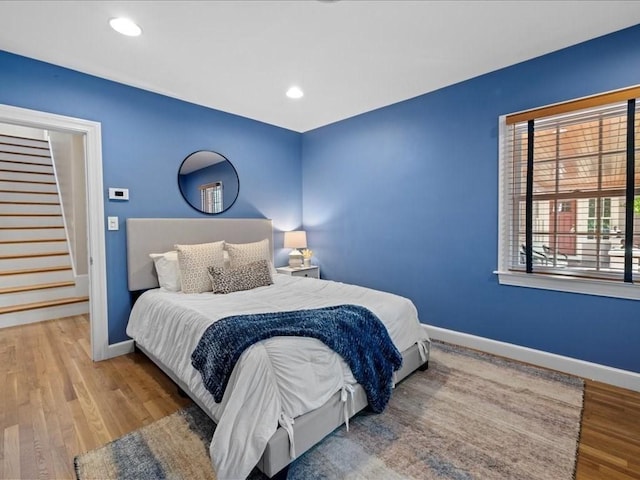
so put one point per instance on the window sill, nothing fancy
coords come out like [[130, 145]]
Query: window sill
[[559, 283]]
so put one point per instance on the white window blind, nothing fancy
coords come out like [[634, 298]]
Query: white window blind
[[211, 197], [570, 191]]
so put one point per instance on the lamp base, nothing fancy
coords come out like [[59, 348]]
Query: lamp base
[[295, 259]]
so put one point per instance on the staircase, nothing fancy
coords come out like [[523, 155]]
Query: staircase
[[36, 276]]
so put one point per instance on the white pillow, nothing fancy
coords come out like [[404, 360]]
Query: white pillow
[[167, 270], [194, 260], [245, 253]]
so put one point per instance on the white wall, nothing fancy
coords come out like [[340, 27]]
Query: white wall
[[68, 154]]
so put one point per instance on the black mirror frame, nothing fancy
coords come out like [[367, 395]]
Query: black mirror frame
[[185, 197]]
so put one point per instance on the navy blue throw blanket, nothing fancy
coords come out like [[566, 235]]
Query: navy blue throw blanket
[[352, 331]]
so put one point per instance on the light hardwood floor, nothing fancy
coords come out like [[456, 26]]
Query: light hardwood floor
[[55, 403]]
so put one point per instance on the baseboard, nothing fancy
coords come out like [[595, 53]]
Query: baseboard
[[593, 371], [117, 349], [588, 370]]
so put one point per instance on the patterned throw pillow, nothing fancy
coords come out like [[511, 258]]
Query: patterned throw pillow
[[244, 253], [244, 277], [193, 261]]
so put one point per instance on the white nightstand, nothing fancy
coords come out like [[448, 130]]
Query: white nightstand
[[312, 272]]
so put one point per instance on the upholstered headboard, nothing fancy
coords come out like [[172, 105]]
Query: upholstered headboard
[[158, 235]]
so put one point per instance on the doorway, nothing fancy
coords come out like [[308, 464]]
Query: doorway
[[96, 257]]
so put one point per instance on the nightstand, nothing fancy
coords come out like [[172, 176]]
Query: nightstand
[[312, 272]]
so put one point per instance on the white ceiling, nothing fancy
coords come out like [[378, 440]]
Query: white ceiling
[[349, 57]]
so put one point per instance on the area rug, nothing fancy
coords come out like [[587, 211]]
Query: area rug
[[469, 416]]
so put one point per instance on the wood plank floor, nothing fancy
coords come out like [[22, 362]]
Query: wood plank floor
[[610, 436], [55, 403]]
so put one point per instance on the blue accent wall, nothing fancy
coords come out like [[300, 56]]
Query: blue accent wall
[[145, 137], [405, 199]]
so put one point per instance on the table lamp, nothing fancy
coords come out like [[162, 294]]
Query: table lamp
[[295, 240]]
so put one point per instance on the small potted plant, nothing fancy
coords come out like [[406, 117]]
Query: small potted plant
[[306, 255]]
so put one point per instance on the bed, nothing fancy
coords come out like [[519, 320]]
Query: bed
[[270, 412]]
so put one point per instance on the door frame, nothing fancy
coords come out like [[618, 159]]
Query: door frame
[[95, 211]]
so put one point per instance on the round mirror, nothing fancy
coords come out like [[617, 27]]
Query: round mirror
[[208, 182]]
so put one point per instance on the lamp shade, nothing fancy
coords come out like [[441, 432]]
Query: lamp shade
[[296, 239]]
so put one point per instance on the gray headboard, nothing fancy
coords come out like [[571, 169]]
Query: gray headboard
[[157, 235]]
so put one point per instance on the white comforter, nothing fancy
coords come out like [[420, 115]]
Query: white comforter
[[275, 380]]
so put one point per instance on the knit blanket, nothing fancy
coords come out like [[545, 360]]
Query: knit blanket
[[352, 331]]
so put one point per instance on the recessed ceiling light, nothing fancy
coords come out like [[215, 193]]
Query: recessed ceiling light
[[125, 26], [295, 92]]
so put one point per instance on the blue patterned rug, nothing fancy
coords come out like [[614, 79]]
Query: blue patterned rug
[[470, 416]]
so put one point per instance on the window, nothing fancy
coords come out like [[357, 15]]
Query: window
[[569, 176], [211, 197], [600, 217]]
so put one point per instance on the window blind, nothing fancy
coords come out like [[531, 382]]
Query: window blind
[[572, 198], [211, 197]]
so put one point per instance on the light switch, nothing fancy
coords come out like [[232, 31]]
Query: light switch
[[112, 223]]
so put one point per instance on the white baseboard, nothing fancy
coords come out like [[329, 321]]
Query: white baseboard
[[593, 371], [117, 349], [588, 370]]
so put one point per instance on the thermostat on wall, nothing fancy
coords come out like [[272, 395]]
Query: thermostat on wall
[[118, 194]]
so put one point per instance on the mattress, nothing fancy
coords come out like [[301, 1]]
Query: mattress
[[275, 380]]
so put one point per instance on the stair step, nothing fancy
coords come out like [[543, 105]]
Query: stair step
[[24, 157], [12, 167], [11, 256], [45, 304], [25, 271], [21, 202], [23, 262], [36, 293], [36, 240], [28, 187], [16, 147], [35, 276], [29, 208], [12, 248], [12, 175], [42, 314], [30, 227], [29, 234], [22, 195], [30, 221], [30, 214], [39, 286], [19, 166], [26, 141]]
